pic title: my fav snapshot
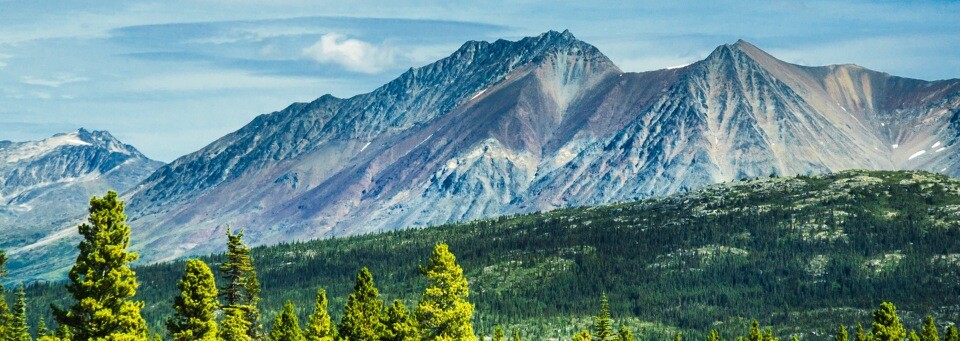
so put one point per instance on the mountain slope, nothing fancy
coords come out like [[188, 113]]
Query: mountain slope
[[535, 124], [801, 254], [45, 185]]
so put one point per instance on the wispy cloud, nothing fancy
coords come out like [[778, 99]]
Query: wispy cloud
[[352, 54], [54, 82], [3, 58]]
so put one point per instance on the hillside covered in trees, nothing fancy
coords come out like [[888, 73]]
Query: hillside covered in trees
[[798, 254]]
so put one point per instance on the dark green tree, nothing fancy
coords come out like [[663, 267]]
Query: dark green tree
[[286, 327], [886, 324], [242, 288], [42, 328], [443, 311], [498, 334], [913, 336], [5, 316], [320, 327], [755, 333], [861, 335], [516, 334], [626, 334], [842, 334], [401, 326], [363, 315], [929, 330], [714, 335], [101, 282], [952, 334], [195, 309], [17, 329], [602, 324]]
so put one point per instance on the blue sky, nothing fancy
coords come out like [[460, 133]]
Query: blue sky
[[172, 76]]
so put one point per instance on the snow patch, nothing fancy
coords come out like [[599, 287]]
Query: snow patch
[[940, 149], [478, 94], [935, 145], [34, 149], [896, 146], [917, 154], [677, 66], [365, 146]]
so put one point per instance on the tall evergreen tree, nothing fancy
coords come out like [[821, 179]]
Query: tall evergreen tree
[[42, 328], [320, 327], [913, 336], [582, 336], [886, 324], [286, 327], [17, 329], [952, 334], [363, 315], [929, 330], [842, 334], [444, 312], [101, 282], [242, 288], [626, 334], [602, 325], [516, 334], [861, 335], [498, 334], [677, 336], [401, 326], [195, 309]]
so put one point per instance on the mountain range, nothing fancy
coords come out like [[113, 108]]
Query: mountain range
[[45, 185], [530, 125]]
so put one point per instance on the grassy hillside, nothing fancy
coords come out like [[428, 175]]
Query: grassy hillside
[[800, 254]]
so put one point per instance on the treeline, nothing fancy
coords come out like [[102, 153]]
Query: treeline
[[621, 249]]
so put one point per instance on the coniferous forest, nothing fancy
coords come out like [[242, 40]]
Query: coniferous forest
[[809, 257]]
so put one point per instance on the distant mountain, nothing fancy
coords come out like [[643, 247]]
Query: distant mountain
[[45, 185], [535, 124]]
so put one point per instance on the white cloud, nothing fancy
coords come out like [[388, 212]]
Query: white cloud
[[352, 54], [4, 64], [54, 82]]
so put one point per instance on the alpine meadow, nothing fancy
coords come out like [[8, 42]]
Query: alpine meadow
[[474, 171]]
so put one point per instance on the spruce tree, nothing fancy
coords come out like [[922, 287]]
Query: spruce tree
[[363, 315], [714, 335], [929, 330], [952, 334], [235, 326], [755, 333], [913, 336], [444, 312], [768, 335], [42, 328], [401, 326], [582, 336], [320, 327], [602, 325], [5, 316], [195, 309], [498, 334], [626, 334], [286, 327], [677, 336], [842, 334], [101, 282], [18, 330], [516, 334], [242, 289], [886, 324]]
